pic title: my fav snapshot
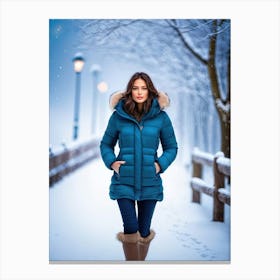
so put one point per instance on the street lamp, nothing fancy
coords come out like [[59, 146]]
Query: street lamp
[[95, 70], [78, 61]]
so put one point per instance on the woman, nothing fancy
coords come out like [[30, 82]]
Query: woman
[[138, 123]]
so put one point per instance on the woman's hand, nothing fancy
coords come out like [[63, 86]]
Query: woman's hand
[[116, 165], [157, 167]]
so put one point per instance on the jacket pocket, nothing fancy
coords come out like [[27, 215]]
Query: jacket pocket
[[120, 168], [126, 174], [150, 172], [155, 172]]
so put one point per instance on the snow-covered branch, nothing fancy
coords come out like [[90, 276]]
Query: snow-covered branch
[[221, 106]]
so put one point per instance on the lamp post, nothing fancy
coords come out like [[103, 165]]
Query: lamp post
[[103, 100], [95, 70], [78, 61]]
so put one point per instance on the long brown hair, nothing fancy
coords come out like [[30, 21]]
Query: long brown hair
[[130, 106]]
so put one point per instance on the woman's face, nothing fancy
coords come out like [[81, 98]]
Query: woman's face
[[140, 91]]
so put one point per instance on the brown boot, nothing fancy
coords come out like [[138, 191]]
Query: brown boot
[[144, 244], [130, 245]]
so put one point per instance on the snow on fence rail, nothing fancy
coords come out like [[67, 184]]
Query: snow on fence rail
[[221, 168], [66, 159]]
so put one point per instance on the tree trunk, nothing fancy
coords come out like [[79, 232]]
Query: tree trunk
[[225, 127], [224, 113]]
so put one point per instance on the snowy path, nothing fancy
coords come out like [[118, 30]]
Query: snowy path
[[84, 221]]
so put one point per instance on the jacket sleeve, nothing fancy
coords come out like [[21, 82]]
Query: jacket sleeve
[[169, 144], [109, 141]]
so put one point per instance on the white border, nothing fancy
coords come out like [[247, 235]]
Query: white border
[[24, 138]]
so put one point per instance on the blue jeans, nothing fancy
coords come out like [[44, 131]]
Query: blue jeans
[[133, 224]]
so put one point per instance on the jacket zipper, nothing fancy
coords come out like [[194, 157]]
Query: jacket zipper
[[141, 126]]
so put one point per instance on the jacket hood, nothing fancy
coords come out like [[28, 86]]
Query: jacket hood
[[163, 99]]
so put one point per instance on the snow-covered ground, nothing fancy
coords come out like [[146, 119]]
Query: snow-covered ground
[[84, 221]]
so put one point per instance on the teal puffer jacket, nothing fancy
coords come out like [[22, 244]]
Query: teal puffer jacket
[[138, 145]]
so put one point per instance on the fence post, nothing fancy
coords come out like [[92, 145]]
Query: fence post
[[197, 172], [219, 182]]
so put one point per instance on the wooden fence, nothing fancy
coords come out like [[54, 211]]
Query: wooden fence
[[66, 159], [217, 190]]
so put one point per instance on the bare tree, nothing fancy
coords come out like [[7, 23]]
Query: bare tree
[[217, 28]]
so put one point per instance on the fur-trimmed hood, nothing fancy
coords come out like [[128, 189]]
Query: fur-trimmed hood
[[163, 99]]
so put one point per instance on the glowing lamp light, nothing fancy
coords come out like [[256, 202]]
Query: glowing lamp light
[[102, 87], [79, 62]]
